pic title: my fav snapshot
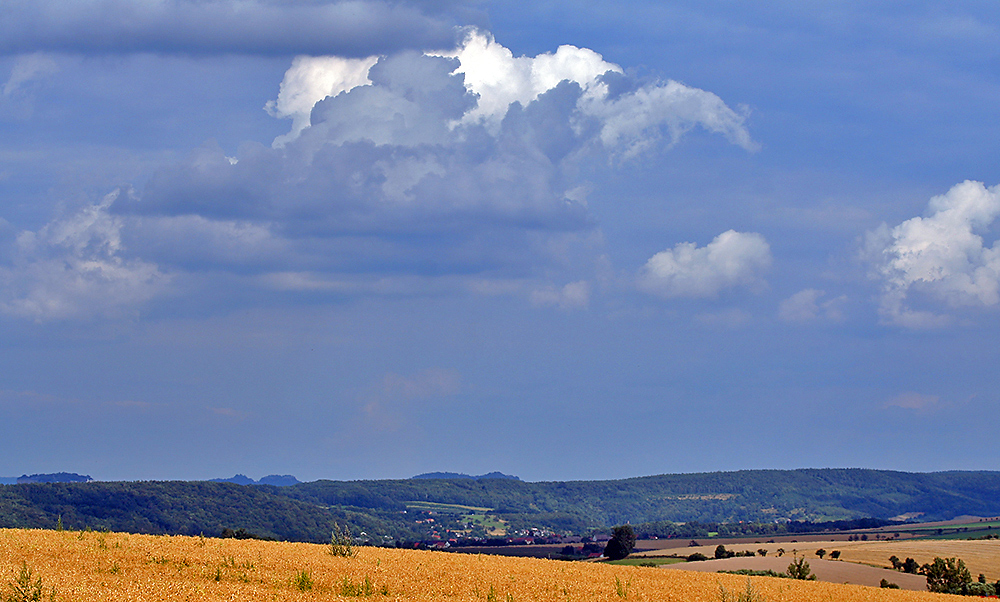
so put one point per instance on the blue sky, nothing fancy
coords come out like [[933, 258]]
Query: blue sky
[[569, 240]]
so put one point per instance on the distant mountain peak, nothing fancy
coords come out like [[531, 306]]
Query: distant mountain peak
[[459, 475], [278, 480], [55, 477]]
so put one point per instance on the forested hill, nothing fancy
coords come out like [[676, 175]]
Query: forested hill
[[391, 508], [750, 495]]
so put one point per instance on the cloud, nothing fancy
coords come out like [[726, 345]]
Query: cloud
[[575, 295], [351, 28], [17, 97], [397, 165], [386, 402], [805, 306], [77, 267], [500, 79], [939, 258], [914, 401], [309, 80], [398, 168], [733, 259], [26, 69]]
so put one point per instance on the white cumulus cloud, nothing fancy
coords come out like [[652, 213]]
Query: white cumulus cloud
[[733, 259], [309, 80], [627, 122], [403, 168], [499, 79], [941, 258]]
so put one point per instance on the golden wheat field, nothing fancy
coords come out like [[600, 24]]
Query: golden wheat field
[[91, 566], [980, 556]]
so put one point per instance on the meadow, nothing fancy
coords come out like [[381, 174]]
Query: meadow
[[97, 566]]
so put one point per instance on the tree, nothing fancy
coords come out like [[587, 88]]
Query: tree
[[799, 569], [821, 553], [910, 566], [762, 552], [834, 555], [896, 564], [947, 575], [621, 543], [722, 552]]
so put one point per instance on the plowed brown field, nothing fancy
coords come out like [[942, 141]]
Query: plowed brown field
[[87, 567]]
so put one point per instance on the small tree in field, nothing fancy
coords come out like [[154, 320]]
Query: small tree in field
[[799, 569], [834, 555], [621, 543], [821, 553]]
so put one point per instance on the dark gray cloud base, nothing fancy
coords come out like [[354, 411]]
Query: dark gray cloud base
[[265, 27]]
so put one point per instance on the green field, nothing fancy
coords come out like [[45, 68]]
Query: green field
[[457, 509], [477, 515], [963, 531], [649, 561]]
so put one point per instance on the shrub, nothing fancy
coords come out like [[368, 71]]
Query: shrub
[[980, 589], [26, 588], [366, 588], [799, 569], [756, 573], [749, 594], [834, 555], [621, 588], [303, 581], [341, 543], [696, 557], [886, 585]]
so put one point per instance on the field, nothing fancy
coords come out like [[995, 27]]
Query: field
[[980, 556], [93, 566]]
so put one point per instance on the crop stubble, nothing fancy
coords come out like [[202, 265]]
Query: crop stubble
[[110, 566]]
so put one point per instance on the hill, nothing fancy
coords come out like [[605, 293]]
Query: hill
[[420, 509]]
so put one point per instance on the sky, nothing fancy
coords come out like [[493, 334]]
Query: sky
[[562, 240]]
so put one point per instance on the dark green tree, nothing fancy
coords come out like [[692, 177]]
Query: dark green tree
[[947, 576], [621, 543], [821, 553], [911, 566]]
